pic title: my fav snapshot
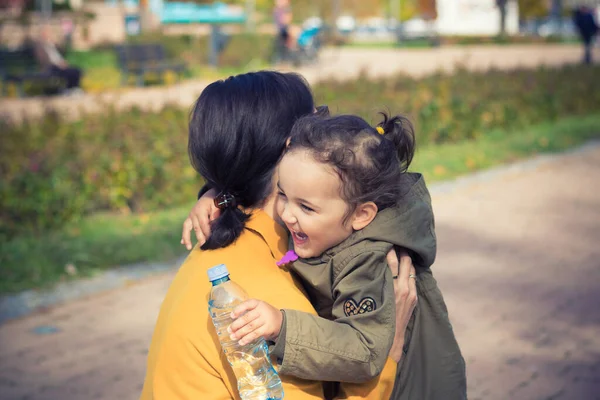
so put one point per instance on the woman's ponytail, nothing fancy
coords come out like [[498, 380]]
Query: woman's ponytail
[[399, 130], [237, 133], [226, 228]]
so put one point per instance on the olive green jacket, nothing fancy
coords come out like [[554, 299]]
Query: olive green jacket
[[351, 288]]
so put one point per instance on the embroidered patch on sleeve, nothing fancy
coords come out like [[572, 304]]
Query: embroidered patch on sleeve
[[366, 305]]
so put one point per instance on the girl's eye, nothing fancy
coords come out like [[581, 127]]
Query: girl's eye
[[280, 194], [306, 208]]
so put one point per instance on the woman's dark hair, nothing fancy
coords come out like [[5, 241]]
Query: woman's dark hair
[[370, 161], [238, 130]]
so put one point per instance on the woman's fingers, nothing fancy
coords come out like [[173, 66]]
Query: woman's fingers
[[186, 237], [392, 260], [405, 265], [197, 228], [407, 289], [204, 225], [412, 286], [406, 299]]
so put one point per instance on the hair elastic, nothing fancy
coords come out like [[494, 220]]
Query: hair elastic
[[225, 200]]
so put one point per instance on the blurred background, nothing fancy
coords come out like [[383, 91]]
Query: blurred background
[[94, 176]]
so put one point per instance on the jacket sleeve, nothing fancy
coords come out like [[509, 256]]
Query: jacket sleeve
[[354, 345]]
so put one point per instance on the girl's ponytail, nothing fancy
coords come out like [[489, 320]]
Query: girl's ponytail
[[399, 130]]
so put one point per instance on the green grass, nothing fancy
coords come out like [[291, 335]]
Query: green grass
[[497, 147], [416, 43], [424, 43], [101, 72], [106, 240], [96, 242]]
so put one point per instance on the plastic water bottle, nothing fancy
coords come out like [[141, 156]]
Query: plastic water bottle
[[256, 377]]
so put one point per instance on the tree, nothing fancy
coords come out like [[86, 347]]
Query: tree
[[502, 6], [428, 9], [557, 10], [533, 9]]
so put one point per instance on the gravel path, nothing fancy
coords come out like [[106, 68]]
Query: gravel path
[[338, 63]]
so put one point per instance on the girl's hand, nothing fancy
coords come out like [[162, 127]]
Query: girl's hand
[[405, 289], [199, 219], [253, 319]]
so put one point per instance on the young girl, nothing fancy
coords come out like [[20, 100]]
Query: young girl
[[346, 199]]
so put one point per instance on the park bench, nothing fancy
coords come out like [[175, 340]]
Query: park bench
[[139, 59], [20, 67]]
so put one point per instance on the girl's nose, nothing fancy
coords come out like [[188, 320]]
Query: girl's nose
[[287, 216]]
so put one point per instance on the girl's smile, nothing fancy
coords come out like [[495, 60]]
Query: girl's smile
[[310, 205]]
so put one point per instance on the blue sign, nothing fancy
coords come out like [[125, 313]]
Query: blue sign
[[185, 13], [132, 24]]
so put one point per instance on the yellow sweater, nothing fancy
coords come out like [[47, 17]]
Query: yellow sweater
[[185, 360]]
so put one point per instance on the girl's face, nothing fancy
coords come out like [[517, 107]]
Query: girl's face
[[309, 203]]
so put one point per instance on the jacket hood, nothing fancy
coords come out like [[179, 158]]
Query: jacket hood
[[410, 225]]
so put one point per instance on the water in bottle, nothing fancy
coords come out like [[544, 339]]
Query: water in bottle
[[256, 377]]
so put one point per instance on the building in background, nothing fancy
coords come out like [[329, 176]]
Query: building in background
[[475, 18]]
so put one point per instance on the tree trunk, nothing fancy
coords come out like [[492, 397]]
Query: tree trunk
[[556, 13], [146, 17], [502, 7]]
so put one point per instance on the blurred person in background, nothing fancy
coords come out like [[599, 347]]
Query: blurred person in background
[[583, 18], [49, 58], [282, 15]]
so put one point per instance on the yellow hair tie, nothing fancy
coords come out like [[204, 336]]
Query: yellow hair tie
[[380, 130]]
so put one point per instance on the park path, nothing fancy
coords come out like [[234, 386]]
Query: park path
[[518, 263], [339, 63]]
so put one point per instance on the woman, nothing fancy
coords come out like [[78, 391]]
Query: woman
[[228, 129]]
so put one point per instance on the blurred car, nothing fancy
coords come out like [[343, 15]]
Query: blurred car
[[416, 28], [345, 24], [312, 23], [564, 28], [374, 29], [547, 27]]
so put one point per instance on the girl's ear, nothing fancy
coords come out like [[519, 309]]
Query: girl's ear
[[363, 215], [287, 142]]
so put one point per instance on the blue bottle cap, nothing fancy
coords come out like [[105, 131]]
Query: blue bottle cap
[[217, 272]]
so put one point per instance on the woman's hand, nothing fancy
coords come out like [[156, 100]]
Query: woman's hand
[[199, 219], [405, 290], [253, 319]]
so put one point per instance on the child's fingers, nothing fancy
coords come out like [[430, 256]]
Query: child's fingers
[[249, 332], [251, 337], [247, 320], [244, 308]]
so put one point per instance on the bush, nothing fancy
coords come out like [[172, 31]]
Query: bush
[[55, 171], [465, 105], [242, 49]]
